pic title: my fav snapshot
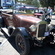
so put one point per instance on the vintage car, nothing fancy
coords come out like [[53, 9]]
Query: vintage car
[[27, 30]]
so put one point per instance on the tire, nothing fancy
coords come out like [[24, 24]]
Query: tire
[[1, 22], [22, 44]]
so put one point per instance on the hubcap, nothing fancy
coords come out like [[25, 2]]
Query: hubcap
[[20, 43]]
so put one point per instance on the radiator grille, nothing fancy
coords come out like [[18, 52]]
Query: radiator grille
[[41, 30]]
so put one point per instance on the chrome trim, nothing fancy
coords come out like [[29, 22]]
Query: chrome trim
[[38, 29]]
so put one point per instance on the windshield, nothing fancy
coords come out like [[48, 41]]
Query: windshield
[[24, 9]]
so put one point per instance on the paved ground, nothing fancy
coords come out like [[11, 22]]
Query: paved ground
[[8, 46]]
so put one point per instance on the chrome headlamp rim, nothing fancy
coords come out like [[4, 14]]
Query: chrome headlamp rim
[[33, 27]]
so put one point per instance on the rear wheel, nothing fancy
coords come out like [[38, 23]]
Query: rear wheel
[[22, 44]]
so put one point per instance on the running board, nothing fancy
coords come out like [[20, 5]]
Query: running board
[[5, 31]]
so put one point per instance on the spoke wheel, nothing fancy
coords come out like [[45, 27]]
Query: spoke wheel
[[22, 44]]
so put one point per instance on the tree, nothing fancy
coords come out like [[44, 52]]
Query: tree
[[47, 3], [33, 2], [38, 3]]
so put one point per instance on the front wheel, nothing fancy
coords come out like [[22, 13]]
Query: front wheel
[[22, 44]]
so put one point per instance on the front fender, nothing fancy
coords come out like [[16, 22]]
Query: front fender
[[21, 30]]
